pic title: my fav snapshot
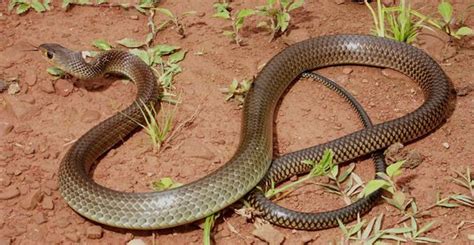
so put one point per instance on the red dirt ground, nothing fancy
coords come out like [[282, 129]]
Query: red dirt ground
[[38, 124]]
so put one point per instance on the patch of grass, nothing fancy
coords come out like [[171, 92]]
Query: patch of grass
[[278, 15], [22, 6], [237, 21], [401, 22], [157, 129], [237, 90]]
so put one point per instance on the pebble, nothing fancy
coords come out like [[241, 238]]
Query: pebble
[[347, 70], [46, 86], [63, 87], [31, 200], [28, 150], [90, 116], [391, 74], [136, 242], [73, 236], [14, 88], [339, 2], [134, 17], [446, 145], [47, 203], [30, 77], [39, 218], [9, 193], [5, 128], [94, 232], [3, 85]]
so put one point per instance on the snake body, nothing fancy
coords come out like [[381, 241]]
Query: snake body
[[251, 161]]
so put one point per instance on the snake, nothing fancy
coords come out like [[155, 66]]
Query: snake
[[251, 164]]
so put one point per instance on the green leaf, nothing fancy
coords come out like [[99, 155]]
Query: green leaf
[[66, 4], [142, 54], [11, 5], [130, 43], [394, 169], [223, 15], [101, 44], [374, 185], [101, 1], [165, 183], [446, 11], [23, 7], [55, 71], [46, 4], [83, 2], [228, 33], [166, 12], [245, 13], [296, 4], [164, 49], [176, 57], [37, 6], [283, 20], [464, 31], [425, 228]]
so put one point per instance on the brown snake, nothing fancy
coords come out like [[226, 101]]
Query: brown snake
[[251, 161]]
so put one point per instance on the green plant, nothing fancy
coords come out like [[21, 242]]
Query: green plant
[[67, 3], [174, 20], [208, 225], [165, 183], [278, 15], [22, 6], [448, 23], [237, 90], [237, 22], [414, 234], [345, 184], [323, 167], [157, 129], [402, 26]]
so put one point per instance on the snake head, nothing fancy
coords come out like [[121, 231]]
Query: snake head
[[57, 55]]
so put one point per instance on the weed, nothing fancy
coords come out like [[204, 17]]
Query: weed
[[278, 15], [208, 225], [321, 168], [174, 20], [238, 90], [22, 6], [165, 183], [237, 21], [447, 22], [67, 3], [337, 180], [402, 26]]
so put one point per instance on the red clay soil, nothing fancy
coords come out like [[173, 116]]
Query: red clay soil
[[38, 124]]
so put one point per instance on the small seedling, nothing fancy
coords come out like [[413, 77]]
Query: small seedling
[[165, 183], [448, 23], [237, 23], [278, 15], [22, 6], [208, 225], [414, 235], [336, 186], [238, 90], [222, 10], [323, 167], [174, 20], [67, 3]]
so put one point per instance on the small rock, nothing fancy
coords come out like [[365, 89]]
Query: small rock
[[136, 242], [269, 234], [339, 2], [46, 86], [13, 88], [39, 218], [63, 87], [9, 193], [28, 150], [30, 77], [128, 237], [391, 74], [465, 90], [73, 236], [446, 145], [134, 17], [347, 70], [31, 200], [90, 116], [47, 203], [3, 85], [295, 36], [94, 232], [5, 128]]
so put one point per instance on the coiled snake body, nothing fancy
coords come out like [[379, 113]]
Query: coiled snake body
[[251, 161]]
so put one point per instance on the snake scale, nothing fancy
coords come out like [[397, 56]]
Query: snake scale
[[250, 165]]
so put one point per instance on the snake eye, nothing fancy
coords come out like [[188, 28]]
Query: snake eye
[[49, 55]]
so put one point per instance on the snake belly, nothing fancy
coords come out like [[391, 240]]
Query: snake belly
[[251, 161]]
